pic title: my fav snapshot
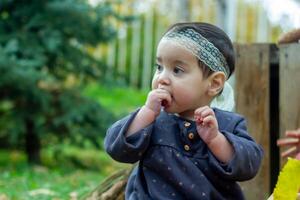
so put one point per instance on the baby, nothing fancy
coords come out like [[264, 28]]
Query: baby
[[186, 148]]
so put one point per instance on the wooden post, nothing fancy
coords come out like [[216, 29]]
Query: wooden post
[[121, 63], [289, 77], [135, 53], [148, 39], [252, 101]]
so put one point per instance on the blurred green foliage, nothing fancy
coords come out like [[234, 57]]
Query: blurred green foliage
[[68, 155], [67, 169], [44, 65]]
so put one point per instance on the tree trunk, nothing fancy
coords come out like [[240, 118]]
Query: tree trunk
[[33, 144]]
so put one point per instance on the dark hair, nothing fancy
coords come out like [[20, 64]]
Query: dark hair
[[216, 36]]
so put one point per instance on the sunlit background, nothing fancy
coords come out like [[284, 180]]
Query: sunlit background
[[260, 15], [245, 21]]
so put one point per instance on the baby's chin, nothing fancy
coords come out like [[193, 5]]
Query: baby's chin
[[170, 109], [179, 113]]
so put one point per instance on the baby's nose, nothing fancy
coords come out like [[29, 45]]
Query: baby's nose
[[164, 78]]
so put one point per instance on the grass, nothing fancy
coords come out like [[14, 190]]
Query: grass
[[18, 180], [25, 182]]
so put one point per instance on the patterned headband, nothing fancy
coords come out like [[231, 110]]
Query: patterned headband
[[200, 47]]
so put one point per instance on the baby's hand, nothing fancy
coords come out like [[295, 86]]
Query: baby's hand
[[156, 99], [207, 125]]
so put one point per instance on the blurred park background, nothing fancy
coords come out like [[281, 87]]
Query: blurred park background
[[69, 68]]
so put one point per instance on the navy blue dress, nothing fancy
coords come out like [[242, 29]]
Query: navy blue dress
[[174, 162]]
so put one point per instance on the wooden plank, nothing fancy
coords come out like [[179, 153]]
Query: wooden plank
[[135, 49], [111, 57], [252, 101], [121, 63], [289, 84], [148, 39], [121, 54]]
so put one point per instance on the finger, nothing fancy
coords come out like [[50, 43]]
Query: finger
[[198, 111], [206, 112], [160, 91], [199, 120], [293, 133], [297, 156], [203, 113], [158, 96], [198, 114], [289, 153], [287, 141], [209, 121], [165, 98]]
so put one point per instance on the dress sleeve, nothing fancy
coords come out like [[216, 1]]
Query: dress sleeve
[[126, 149], [247, 155]]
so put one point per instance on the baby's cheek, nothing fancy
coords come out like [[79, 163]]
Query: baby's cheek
[[154, 84], [186, 97]]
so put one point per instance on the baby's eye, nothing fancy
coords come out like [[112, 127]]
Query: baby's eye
[[178, 70], [158, 67]]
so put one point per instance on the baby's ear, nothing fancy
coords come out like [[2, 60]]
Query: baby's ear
[[216, 83]]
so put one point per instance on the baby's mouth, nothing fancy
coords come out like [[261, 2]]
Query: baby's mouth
[[164, 103], [167, 104]]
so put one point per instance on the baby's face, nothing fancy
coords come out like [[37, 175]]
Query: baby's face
[[178, 73]]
